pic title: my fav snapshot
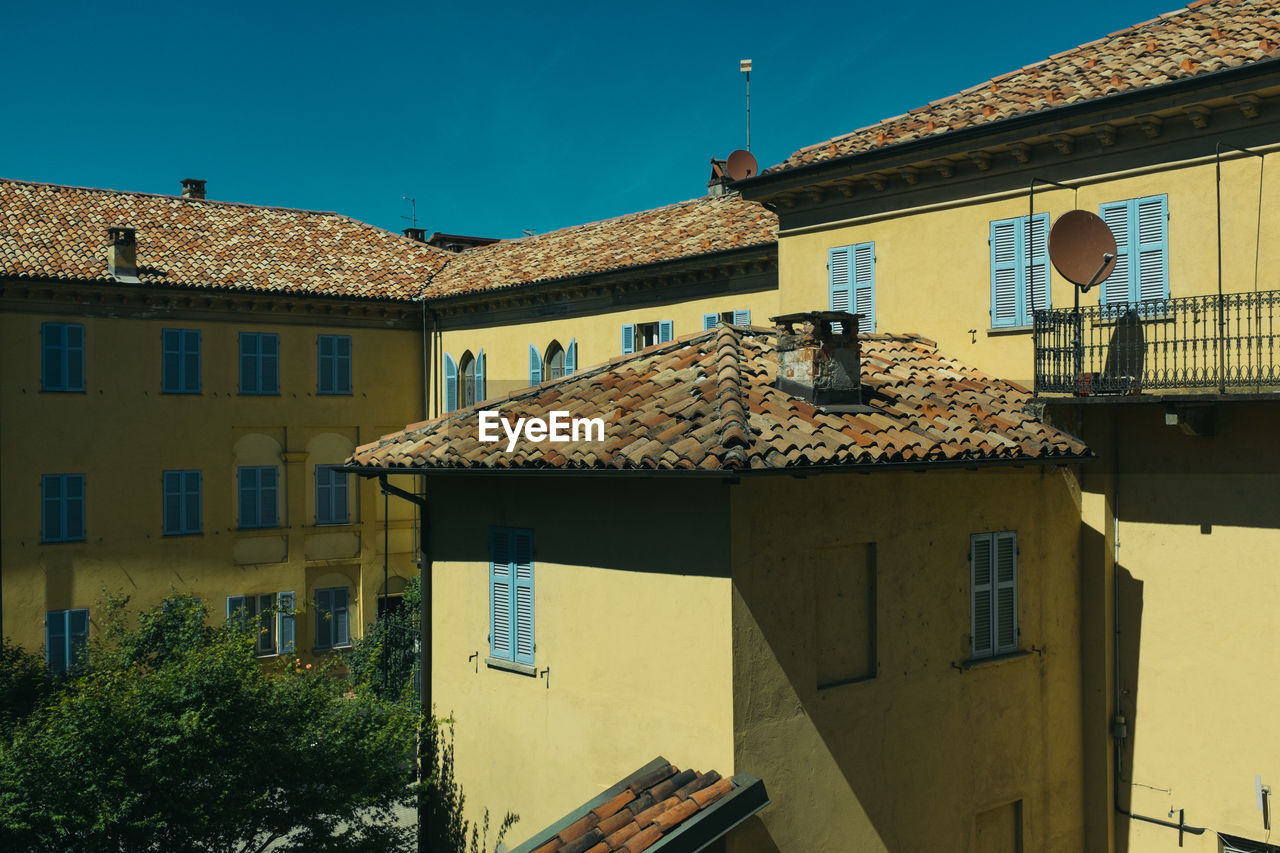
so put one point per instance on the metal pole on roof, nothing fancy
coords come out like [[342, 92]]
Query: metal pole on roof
[[745, 67]]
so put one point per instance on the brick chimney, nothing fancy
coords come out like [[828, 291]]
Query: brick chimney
[[122, 254], [192, 188], [419, 234], [818, 363], [719, 178]]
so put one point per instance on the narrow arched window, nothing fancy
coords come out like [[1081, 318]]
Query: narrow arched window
[[554, 360], [467, 375]]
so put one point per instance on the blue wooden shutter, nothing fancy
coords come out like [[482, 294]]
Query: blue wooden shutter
[[709, 321], [342, 356], [171, 360], [1036, 249], [981, 621], [864, 286], [191, 361], [341, 622], [286, 622], [628, 338], [173, 502], [73, 507], [535, 365], [481, 393], [191, 522], [571, 358], [55, 640], [522, 548], [248, 488], [500, 622], [339, 480], [53, 373], [666, 329], [235, 608], [742, 318], [77, 635], [51, 503], [327, 379], [269, 362], [268, 495], [324, 495], [75, 357], [324, 618], [1117, 288], [1006, 262], [839, 282], [1151, 272], [1006, 591], [450, 383]]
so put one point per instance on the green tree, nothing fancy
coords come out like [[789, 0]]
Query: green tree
[[172, 736], [384, 659]]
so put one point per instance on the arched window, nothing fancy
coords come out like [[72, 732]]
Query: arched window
[[467, 380], [554, 360]]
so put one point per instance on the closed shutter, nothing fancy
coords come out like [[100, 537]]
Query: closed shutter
[[1116, 287], [571, 358], [248, 363], [324, 495], [235, 608], [742, 318], [500, 622], [522, 548], [191, 502], [1005, 263], [1152, 270], [628, 338], [51, 499], [980, 559], [665, 330], [338, 480], [840, 283], [343, 367], [328, 378], [1006, 593], [864, 286], [269, 367], [55, 640], [324, 618], [172, 502], [191, 361], [248, 486], [1037, 250], [709, 321], [171, 360], [450, 383], [75, 357], [54, 350], [481, 393], [535, 365], [267, 495], [77, 635], [286, 622], [73, 507]]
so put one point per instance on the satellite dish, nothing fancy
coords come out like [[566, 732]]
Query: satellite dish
[[1082, 248], [742, 165]]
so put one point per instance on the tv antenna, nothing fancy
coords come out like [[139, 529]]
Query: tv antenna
[[744, 65], [413, 208]]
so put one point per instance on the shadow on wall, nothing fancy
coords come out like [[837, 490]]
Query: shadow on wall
[[1129, 591]]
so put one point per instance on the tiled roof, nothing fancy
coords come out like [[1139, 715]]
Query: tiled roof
[[58, 232], [707, 402], [1207, 36], [677, 231], [659, 804]]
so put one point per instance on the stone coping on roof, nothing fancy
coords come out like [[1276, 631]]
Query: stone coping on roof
[[689, 229], [657, 808], [706, 403], [1205, 37]]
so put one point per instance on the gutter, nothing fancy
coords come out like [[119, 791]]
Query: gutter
[[761, 185]]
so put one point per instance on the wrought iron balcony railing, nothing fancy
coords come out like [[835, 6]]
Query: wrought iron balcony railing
[[1217, 343]]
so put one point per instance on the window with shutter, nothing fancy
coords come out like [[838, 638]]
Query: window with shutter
[[62, 508], [511, 599], [852, 284], [742, 318], [332, 622], [628, 338], [1019, 269], [666, 330], [62, 357], [181, 502], [535, 365], [259, 363], [334, 372], [993, 561], [258, 496], [481, 392], [571, 358], [709, 321], [180, 361], [331, 495], [1141, 229], [66, 634], [450, 383]]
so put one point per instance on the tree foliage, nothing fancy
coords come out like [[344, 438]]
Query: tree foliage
[[172, 736], [383, 659]]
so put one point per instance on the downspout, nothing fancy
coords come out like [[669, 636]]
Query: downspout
[[424, 581]]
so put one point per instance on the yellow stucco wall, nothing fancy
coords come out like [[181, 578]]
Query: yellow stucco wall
[[122, 433], [933, 265], [598, 334], [1199, 527], [631, 618], [923, 755]]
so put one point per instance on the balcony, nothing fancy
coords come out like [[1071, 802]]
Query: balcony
[[1216, 344]]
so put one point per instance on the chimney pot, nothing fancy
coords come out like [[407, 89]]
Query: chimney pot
[[122, 254], [419, 234], [192, 188], [817, 362]]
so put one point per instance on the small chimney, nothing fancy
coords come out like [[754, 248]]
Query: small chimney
[[122, 254], [719, 177], [817, 362], [419, 234], [192, 188]]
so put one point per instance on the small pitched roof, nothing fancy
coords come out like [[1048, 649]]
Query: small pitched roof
[[658, 808], [706, 402], [675, 232], [58, 232], [1207, 36]]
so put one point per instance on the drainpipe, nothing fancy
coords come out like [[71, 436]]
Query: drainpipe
[[424, 581]]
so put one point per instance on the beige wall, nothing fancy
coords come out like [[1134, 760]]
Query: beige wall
[[924, 756], [631, 626], [122, 433]]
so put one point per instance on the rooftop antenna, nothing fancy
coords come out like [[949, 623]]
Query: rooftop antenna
[[413, 206], [744, 65]]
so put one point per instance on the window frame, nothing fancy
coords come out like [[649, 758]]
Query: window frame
[[259, 488], [68, 353], [182, 479], [259, 359], [633, 335], [337, 633], [178, 343], [274, 617], [993, 587], [333, 472], [329, 377], [71, 649], [64, 503]]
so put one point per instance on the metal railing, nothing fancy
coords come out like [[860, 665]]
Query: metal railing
[[1223, 343]]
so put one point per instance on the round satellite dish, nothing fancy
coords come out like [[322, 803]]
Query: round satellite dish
[[1082, 248], [742, 165]]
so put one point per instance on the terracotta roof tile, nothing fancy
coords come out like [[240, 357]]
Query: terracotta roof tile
[[684, 230], [58, 232], [1204, 37], [922, 406]]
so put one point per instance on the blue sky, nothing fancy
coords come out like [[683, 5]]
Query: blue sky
[[497, 117]]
